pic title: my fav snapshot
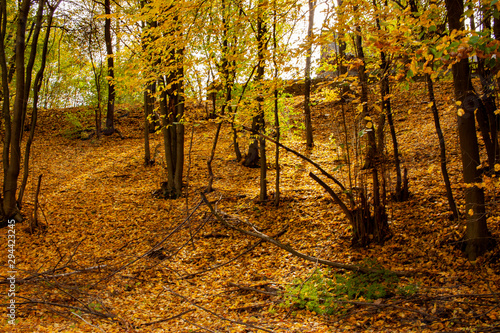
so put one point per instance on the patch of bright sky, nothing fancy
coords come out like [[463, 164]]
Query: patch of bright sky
[[322, 10]]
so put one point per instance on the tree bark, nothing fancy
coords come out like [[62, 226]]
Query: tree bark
[[111, 70], [368, 225], [148, 112], [442, 149], [258, 122], [36, 90], [477, 236], [307, 85], [276, 111], [13, 130]]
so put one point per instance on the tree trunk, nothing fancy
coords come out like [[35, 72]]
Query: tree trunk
[[111, 71], [260, 122], [172, 111], [442, 149], [148, 110], [477, 236], [276, 112], [375, 225], [34, 113], [12, 140], [227, 83], [32, 57], [485, 114], [307, 85], [401, 189], [179, 135]]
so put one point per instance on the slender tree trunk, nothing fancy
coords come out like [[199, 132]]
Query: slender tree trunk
[[111, 70], [371, 147], [227, 82], [167, 143], [442, 149], [401, 191], [260, 122], [32, 57], [172, 111], [276, 112], [376, 226], [13, 129], [179, 133], [148, 105], [477, 236], [485, 114], [307, 85], [5, 97], [34, 114]]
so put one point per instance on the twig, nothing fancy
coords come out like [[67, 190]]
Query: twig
[[34, 222], [199, 326], [335, 197], [167, 319], [153, 248], [42, 276], [269, 293], [323, 171], [302, 285], [216, 314], [86, 310], [44, 216], [191, 239], [86, 322], [253, 246], [289, 249]]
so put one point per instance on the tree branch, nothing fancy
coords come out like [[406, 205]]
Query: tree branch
[[316, 165], [289, 249]]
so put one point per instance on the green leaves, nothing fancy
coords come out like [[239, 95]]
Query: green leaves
[[327, 293]]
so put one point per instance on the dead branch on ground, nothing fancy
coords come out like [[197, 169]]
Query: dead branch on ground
[[288, 248]]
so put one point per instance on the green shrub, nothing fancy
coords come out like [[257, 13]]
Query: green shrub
[[324, 291]]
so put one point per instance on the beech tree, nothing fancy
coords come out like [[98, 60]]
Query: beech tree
[[307, 83], [14, 116], [477, 235], [164, 63]]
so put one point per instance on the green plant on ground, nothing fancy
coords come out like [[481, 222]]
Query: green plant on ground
[[75, 122], [325, 292]]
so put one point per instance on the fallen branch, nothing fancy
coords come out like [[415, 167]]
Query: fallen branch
[[86, 322], [199, 326], [269, 293], [253, 246], [289, 249], [335, 197], [154, 248], [305, 158], [43, 276], [216, 314], [75, 308], [167, 319]]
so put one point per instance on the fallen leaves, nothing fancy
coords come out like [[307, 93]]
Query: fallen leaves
[[103, 220]]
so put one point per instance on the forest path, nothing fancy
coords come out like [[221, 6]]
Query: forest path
[[79, 170]]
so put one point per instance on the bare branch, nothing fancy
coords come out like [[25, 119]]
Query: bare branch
[[289, 249], [167, 319], [216, 314]]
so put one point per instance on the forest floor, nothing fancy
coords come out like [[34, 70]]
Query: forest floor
[[116, 259]]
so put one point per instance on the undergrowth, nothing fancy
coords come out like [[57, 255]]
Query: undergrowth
[[325, 292]]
